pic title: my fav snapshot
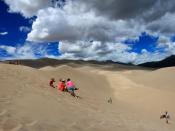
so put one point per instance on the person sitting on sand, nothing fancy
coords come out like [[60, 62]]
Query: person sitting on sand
[[59, 84], [71, 87], [51, 82], [165, 116], [62, 85]]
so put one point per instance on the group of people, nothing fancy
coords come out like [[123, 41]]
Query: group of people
[[65, 86], [68, 86]]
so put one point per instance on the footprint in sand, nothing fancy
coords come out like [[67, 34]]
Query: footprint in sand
[[17, 128], [5, 100], [19, 93], [32, 123], [59, 100], [3, 112], [3, 121]]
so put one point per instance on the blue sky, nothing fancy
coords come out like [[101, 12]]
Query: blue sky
[[11, 23], [47, 30], [145, 41]]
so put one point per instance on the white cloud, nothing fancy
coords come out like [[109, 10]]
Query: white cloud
[[117, 52], [107, 23], [20, 52], [149, 56], [3, 33], [9, 49], [26, 51], [55, 24], [27, 8], [96, 50], [24, 29]]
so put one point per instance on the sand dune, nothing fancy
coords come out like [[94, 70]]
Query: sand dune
[[162, 78], [27, 103]]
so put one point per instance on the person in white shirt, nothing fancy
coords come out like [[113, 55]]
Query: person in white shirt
[[165, 116]]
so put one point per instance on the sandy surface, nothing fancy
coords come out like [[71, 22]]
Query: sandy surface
[[27, 103]]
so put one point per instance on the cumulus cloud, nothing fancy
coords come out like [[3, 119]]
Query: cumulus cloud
[[27, 8], [96, 29], [3, 33], [96, 50], [63, 26]]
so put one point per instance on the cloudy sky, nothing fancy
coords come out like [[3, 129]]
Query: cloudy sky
[[119, 30]]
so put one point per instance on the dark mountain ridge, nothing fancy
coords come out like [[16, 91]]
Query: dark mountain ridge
[[167, 62], [39, 63]]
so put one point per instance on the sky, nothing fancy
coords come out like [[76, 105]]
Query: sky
[[119, 30]]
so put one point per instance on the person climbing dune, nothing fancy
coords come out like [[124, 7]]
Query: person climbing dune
[[71, 87], [62, 85], [51, 82]]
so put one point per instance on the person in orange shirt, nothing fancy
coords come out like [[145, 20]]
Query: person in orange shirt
[[61, 85]]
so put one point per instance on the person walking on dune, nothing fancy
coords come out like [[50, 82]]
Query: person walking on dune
[[71, 87], [165, 116]]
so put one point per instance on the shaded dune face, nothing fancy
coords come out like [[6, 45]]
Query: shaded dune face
[[161, 78], [150, 91], [28, 103]]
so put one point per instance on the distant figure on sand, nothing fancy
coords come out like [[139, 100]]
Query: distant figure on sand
[[110, 100], [62, 85], [71, 87], [165, 116], [51, 82]]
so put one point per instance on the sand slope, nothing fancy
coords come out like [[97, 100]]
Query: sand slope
[[28, 104]]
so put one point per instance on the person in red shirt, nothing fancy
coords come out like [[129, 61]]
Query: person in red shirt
[[51, 82]]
